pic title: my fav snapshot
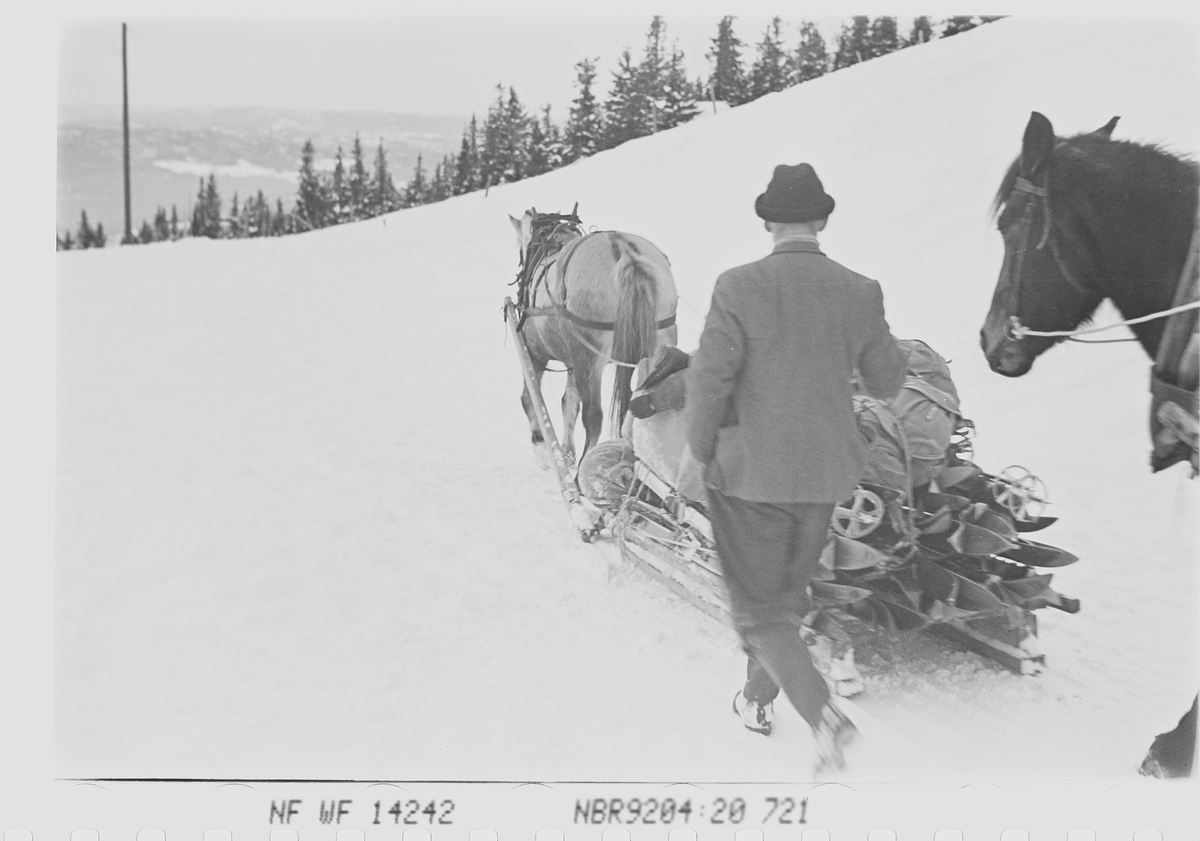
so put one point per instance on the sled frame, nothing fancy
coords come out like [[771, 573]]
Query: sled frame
[[585, 523]]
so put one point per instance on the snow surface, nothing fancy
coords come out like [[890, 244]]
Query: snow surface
[[301, 531]]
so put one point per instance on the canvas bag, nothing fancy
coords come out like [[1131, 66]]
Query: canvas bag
[[907, 436]]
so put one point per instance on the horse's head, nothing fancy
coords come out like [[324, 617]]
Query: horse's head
[[524, 230], [1044, 283]]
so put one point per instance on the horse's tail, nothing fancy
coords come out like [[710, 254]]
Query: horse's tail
[[635, 328]]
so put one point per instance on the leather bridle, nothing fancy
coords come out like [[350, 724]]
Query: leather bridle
[[1015, 329]]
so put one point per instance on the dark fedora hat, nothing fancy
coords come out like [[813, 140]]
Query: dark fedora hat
[[795, 194]]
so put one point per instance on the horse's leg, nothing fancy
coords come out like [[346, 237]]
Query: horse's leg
[[535, 428], [570, 411]]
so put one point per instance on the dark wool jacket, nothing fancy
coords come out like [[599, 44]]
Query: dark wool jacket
[[770, 410]]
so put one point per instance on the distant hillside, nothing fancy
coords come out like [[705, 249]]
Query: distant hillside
[[249, 149]]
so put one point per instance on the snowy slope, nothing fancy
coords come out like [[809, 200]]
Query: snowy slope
[[301, 532]]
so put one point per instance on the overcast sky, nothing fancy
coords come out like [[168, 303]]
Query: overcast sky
[[424, 56], [424, 64]]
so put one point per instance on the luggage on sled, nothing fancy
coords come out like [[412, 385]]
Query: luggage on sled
[[929, 540]]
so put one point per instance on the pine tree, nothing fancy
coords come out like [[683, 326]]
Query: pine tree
[[145, 235], [281, 223], [921, 31], [490, 154], [234, 229], [358, 182], [98, 238], [679, 94], [255, 217], [197, 223], [504, 157], [162, 228], [436, 185], [246, 218], [626, 110], [545, 151], [175, 233], [66, 242], [651, 74], [415, 192], [728, 80], [212, 208], [86, 234], [384, 197], [884, 38], [466, 169], [811, 57], [853, 42], [340, 211], [960, 23], [251, 216], [312, 205], [441, 186], [449, 175], [769, 72], [555, 147], [585, 126], [539, 159], [264, 215], [516, 139]]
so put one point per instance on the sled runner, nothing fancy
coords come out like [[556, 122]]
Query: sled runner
[[928, 541], [564, 465]]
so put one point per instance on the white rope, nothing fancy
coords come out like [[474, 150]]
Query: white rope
[[1019, 331]]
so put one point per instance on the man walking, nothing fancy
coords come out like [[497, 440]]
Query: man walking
[[771, 418]]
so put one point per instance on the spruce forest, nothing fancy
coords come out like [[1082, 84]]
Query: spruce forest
[[645, 95]]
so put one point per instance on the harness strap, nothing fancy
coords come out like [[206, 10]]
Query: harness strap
[[1018, 331], [559, 309], [1169, 362], [563, 259], [608, 325], [1175, 403], [1025, 186], [545, 251]]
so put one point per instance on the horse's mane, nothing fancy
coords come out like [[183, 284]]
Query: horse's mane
[[548, 234], [1116, 177]]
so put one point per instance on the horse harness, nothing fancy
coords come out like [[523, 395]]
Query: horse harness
[[545, 247], [1025, 227], [546, 250], [1175, 377]]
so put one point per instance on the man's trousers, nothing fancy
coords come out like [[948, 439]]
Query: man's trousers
[[769, 553]]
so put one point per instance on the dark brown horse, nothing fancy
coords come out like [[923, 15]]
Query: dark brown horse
[[588, 300], [1086, 218]]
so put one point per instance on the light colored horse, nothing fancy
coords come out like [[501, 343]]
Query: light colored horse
[[590, 300]]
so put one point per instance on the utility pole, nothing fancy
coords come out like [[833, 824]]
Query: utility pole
[[128, 238]]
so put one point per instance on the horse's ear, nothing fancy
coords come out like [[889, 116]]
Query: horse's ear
[[516, 223], [1106, 130], [1038, 144]]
